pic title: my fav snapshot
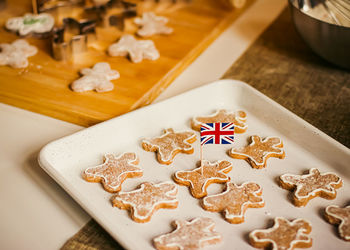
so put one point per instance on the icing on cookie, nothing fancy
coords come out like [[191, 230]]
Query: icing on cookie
[[137, 50], [114, 171], [151, 25], [285, 235], [339, 216], [147, 199], [193, 234], [200, 178], [16, 53], [98, 78], [311, 185], [258, 151], [31, 23], [170, 144], [238, 118], [235, 200]]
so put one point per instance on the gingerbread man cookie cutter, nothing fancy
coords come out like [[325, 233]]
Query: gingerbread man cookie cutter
[[80, 33], [150, 25], [16, 54]]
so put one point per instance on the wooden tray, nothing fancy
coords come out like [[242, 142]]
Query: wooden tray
[[43, 87]]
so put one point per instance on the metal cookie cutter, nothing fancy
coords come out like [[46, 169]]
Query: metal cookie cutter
[[72, 38], [44, 5]]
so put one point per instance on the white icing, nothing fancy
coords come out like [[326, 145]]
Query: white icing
[[16, 53], [152, 25], [343, 221], [31, 23]]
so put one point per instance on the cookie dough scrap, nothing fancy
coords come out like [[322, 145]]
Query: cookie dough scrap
[[258, 151], [114, 171], [147, 199], [193, 234], [150, 25], [200, 178], [16, 54], [137, 50], [170, 144], [98, 78], [238, 118], [311, 185], [285, 235], [339, 216], [31, 23], [235, 200]]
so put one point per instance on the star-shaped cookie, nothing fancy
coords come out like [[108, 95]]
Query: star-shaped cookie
[[151, 25], [339, 216], [285, 235], [170, 144], [235, 200], [114, 171], [311, 185], [200, 178], [193, 234], [258, 151], [16, 53], [137, 50], [147, 199]]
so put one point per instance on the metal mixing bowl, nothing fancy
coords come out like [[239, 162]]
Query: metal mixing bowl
[[330, 41]]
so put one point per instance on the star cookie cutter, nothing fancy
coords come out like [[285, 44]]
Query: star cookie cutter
[[79, 32]]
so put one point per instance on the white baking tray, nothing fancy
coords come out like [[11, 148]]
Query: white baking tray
[[305, 146]]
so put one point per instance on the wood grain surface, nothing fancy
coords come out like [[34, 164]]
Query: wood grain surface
[[43, 87]]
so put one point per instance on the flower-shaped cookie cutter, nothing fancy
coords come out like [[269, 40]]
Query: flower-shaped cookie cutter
[[72, 38]]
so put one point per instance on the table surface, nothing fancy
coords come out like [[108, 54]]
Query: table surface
[[32, 204]]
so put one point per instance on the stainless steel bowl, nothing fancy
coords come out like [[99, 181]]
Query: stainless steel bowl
[[330, 41]]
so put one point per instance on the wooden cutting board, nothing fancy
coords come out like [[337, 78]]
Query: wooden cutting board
[[43, 87]]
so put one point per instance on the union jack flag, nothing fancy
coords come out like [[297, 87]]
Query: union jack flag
[[217, 133]]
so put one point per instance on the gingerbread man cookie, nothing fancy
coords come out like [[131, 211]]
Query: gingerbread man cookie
[[200, 178], [235, 200], [339, 216], [170, 144], [31, 24], [311, 185], [238, 118], [193, 234], [284, 235], [151, 25], [137, 50], [16, 53], [114, 171], [258, 151], [98, 78], [147, 199]]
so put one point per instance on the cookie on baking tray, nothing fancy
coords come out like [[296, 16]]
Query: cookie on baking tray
[[285, 235], [168, 145], [258, 151], [150, 25], [339, 216], [235, 200], [193, 234], [16, 54], [114, 171], [98, 78], [238, 118], [311, 185], [200, 178], [147, 199]]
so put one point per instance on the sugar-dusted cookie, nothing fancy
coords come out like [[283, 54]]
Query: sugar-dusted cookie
[[258, 151], [31, 24], [113, 172], [193, 234], [311, 185], [339, 216], [16, 54], [98, 78], [238, 118], [200, 178], [284, 235], [235, 200], [150, 25], [170, 144], [137, 50], [147, 199]]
